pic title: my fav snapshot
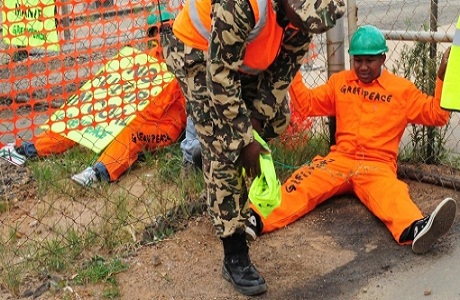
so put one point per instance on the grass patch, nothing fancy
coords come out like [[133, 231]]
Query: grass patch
[[109, 220], [288, 158], [100, 270], [4, 206]]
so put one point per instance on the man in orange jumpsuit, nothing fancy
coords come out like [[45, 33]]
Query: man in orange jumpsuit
[[372, 107], [154, 127]]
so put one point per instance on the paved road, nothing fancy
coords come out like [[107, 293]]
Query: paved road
[[438, 279]]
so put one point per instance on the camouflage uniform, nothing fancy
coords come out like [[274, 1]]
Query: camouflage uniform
[[221, 99]]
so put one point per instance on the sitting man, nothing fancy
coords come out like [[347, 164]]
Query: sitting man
[[373, 108]]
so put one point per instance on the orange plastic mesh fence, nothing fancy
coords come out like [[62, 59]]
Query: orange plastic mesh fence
[[80, 63]]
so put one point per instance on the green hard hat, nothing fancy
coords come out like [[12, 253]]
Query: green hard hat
[[153, 19], [367, 40]]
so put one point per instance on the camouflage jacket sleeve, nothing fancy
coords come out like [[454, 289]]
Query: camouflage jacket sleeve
[[276, 79], [232, 20], [318, 18], [321, 16]]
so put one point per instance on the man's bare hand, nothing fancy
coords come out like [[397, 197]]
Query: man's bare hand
[[443, 65], [250, 158]]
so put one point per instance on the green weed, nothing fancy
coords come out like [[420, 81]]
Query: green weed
[[4, 206], [288, 158], [98, 270], [10, 271], [54, 255], [11, 278]]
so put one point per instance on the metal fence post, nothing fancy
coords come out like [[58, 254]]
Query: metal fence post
[[335, 40]]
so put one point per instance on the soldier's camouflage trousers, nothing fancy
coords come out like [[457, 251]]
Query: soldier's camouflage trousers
[[227, 192]]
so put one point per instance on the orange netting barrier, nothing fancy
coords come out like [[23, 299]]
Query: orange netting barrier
[[78, 67], [75, 67]]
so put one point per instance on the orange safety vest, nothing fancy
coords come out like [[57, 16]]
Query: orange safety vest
[[193, 26]]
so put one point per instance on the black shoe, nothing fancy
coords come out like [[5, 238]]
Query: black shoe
[[244, 277], [431, 228], [141, 157], [196, 158], [253, 226], [20, 149]]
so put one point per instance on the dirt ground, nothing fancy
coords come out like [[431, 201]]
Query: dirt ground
[[332, 253], [329, 254]]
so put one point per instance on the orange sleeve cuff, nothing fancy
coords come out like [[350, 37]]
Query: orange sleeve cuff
[[438, 88]]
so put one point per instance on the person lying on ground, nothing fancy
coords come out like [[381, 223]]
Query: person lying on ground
[[372, 108], [153, 128]]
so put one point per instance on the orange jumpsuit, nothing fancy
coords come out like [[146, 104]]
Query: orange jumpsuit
[[371, 119], [159, 124]]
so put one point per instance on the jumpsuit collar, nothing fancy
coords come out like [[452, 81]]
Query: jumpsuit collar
[[382, 80]]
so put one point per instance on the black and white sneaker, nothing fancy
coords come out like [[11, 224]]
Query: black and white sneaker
[[431, 228], [253, 227], [250, 230]]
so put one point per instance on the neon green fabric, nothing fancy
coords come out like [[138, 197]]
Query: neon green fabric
[[451, 89], [367, 40], [265, 191], [30, 23]]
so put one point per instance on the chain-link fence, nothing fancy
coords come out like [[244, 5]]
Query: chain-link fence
[[417, 33], [50, 225]]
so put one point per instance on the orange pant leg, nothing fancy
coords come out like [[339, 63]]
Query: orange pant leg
[[378, 188], [140, 134], [159, 125], [308, 187], [48, 142]]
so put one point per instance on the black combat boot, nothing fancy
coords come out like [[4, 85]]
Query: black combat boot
[[238, 269]]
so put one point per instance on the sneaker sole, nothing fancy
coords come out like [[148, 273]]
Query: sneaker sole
[[440, 222], [245, 290], [251, 235], [11, 161], [12, 157], [79, 182]]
